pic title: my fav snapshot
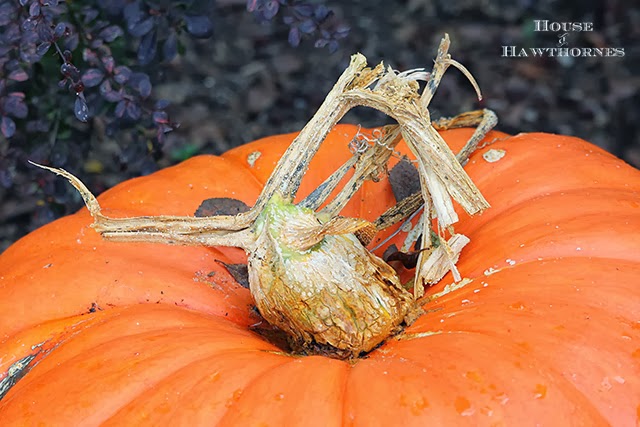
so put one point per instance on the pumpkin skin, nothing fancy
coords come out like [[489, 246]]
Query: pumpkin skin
[[547, 332]]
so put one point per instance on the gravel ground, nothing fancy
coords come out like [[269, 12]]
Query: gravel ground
[[247, 82]]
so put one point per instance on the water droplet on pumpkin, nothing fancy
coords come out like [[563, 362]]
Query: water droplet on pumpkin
[[636, 353], [485, 410], [540, 391], [518, 305], [473, 376], [234, 398], [463, 406], [502, 398], [279, 396], [419, 405], [605, 384]]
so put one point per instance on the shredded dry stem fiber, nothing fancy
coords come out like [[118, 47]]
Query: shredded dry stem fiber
[[309, 272]]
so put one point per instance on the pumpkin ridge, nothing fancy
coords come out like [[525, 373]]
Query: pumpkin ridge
[[246, 386], [543, 357], [622, 197], [585, 234], [305, 407], [545, 369], [150, 355], [185, 393]]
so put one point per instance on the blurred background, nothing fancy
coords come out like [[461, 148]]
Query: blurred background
[[231, 76]]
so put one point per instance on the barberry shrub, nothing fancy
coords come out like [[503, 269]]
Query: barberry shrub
[[73, 73]]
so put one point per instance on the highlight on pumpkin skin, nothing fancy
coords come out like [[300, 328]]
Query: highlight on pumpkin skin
[[293, 250]]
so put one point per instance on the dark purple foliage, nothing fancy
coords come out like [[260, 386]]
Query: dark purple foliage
[[199, 26], [99, 83], [303, 19]]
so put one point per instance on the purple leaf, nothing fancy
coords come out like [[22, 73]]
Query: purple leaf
[[14, 104], [80, 109], [89, 56], [109, 63], [7, 11], [140, 83], [90, 15], [60, 30], [294, 36], [119, 111], [303, 9], [45, 32], [43, 48], [133, 110], [92, 77], [108, 93], [160, 117], [308, 26], [270, 9], [6, 177], [7, 126], [18, 75], [170, 47], [121, 74], [110, 33], [29, 24], [147, 48], [161, 104], [321, 13], [140, 28], [71, 42], [321, 43], [34, 9], [199, 26], [132, 12]]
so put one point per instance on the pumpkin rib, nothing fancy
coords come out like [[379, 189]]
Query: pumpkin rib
[[571, 337], [590, 392], [176, 381], [471, 290], [551, 202], [535, 371], [586, 236], [524, 171], [184, 186], [294, 401], [161, 281], [105, 319], [167, 346]]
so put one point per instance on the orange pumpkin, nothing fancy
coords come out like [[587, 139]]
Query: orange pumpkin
[[547, 331]]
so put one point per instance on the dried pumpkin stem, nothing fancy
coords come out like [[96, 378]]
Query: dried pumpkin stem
[[483, 120], [288, 173], [160, 229], [369, 166], [308, 273]]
